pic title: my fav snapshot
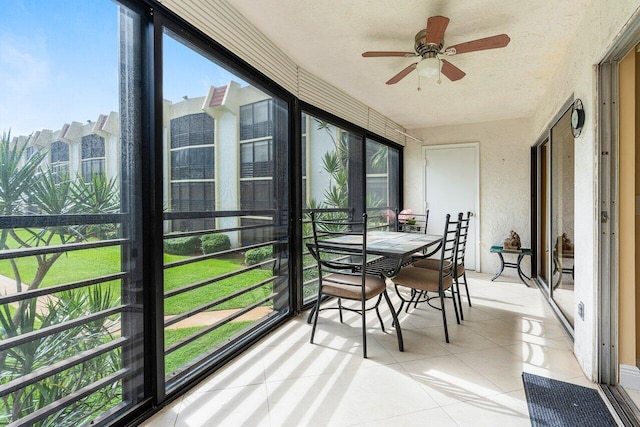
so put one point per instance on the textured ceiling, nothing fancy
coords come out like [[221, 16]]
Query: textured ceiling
[[327, 37]]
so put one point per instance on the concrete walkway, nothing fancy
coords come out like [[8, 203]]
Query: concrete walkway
[[210, 317], [8, 287]]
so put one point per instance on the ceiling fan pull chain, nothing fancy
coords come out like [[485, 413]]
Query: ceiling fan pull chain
[[440, 73], [419, 88]]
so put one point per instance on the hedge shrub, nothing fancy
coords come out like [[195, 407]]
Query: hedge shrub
[[212, 243], [254, 256], [183, 245]]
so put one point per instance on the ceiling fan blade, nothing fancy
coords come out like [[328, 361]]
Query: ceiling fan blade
[[375, 54], [493, 42], [436, 26], [401, 75], [452, 72]]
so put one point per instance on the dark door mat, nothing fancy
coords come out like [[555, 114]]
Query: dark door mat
[[556, 403]]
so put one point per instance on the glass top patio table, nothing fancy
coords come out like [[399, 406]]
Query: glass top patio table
[[392, 248], [397, 244]]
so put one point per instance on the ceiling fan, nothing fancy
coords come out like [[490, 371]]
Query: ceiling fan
[[428, 46]]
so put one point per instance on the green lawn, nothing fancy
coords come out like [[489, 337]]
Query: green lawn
[[69, 267], [85, 264], [202, 270], [189, 352]]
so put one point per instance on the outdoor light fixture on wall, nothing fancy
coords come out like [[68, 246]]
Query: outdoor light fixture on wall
[[577, 117]]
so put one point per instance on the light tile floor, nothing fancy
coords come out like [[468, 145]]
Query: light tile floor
[[475, 380]]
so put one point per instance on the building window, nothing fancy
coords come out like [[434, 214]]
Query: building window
[[192, 129], [93, 156], [192, 163], [256, 157], [256, 120], [193, 197], [192, 169], [256, 194], [59, 161], [59, 152], [30, 152]]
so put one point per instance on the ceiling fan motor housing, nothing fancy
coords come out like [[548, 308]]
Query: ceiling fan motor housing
[[426, 50]]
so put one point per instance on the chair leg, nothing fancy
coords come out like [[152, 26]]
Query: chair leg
[[315, 317], [401, 305], [453, 299], [340, 309], [444, 316], [364, 330], [419, 295], [464, 276], [414, 296], [457, 285], [395, 321], [378, 313]]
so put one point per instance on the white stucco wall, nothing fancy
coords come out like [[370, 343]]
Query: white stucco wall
[[504, 180], [227, 183], [112, 156], [577, 76]]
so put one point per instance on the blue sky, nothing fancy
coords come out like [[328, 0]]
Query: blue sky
[[59, 63]]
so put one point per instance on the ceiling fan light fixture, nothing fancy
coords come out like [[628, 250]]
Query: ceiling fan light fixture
[[428, 67]]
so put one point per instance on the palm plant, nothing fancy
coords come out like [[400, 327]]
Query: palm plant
[[16, 178], [379, 158], [336, 164], [23, 183], [51, 198], [43, 352], [100, 195]]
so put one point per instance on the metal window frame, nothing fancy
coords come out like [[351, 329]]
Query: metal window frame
[[212, 50], [310, 110]]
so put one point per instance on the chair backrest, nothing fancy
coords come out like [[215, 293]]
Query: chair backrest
[[464, 233], [413, 223], [450, 240], [339, 246]]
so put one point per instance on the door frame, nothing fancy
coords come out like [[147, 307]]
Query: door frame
[[608, 192], [476, 213]]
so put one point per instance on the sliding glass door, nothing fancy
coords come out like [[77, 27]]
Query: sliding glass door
[[554, 214], [562, 217]]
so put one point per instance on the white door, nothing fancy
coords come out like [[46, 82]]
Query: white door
[[452, 186]]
